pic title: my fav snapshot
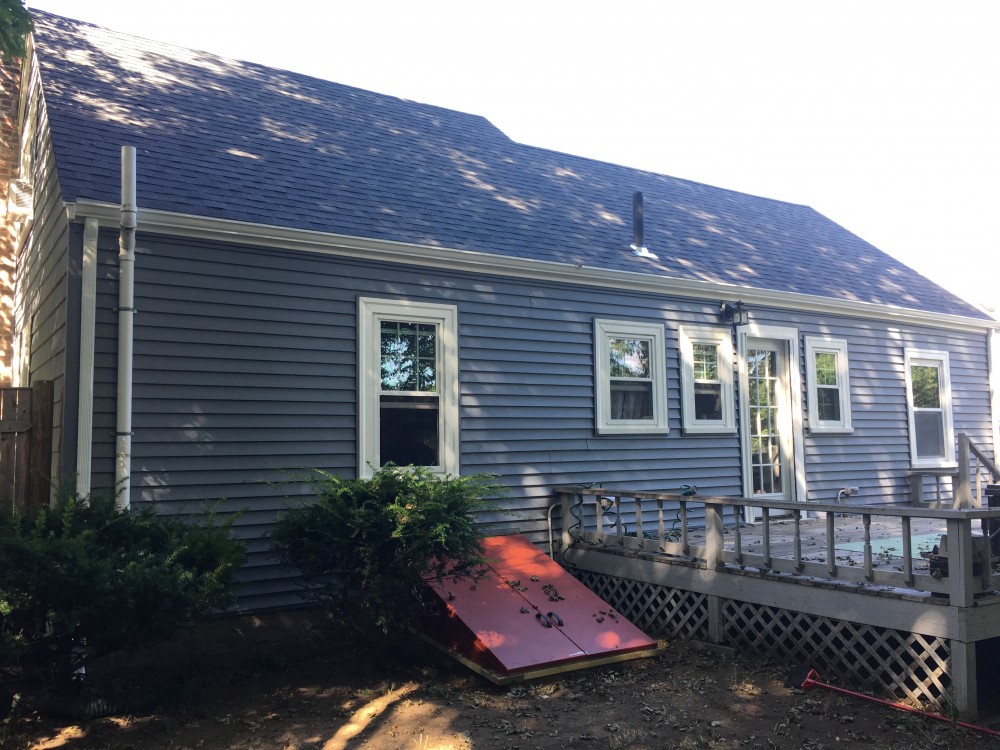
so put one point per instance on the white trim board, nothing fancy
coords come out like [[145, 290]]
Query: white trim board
[[224, 230]]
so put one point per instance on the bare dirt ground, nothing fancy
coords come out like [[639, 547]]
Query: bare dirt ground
[[293, 681]]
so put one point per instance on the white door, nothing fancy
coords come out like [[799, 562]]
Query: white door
[[768, 421]]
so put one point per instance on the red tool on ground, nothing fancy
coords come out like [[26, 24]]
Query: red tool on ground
[[812, 680]]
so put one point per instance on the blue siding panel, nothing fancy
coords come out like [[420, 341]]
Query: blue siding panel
[[245, 379]]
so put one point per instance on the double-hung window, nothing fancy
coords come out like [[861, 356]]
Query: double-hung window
[[828, 385], [629, 374], [407, 385], [928, 395], [707, 400]]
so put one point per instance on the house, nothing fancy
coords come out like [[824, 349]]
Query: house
[[329, 278]]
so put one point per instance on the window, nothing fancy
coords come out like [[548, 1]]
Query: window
[[928, 396], [629, 375], [407, 385], [828, 385], [707, 380]]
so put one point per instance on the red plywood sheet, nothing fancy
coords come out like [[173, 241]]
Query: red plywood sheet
[[492, 610], [494, 621], [588, 620]]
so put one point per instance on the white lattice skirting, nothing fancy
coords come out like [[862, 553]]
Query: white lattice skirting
[[907, 666]]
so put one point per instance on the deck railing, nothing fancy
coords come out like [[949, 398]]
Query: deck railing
[[972, 462], [670, 525]]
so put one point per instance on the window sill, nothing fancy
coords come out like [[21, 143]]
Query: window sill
[[830, 430], [941, 468], [619, 431], [709, 430]]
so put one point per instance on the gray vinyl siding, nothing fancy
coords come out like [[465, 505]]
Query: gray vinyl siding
[[245, 377], [876, 455], [42, 281]]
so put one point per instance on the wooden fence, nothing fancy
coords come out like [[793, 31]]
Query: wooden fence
[[26, 447]]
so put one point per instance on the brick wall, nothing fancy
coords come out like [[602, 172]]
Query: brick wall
[[10, 80]]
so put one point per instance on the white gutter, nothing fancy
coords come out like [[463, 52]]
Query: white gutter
[[88, 308], [387, 251], [126, 298]]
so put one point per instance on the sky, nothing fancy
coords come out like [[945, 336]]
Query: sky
[[883, 115]]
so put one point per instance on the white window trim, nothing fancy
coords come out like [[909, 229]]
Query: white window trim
[[712, 336], [823, 344], [941, 361], [371, 313], [604, 331]]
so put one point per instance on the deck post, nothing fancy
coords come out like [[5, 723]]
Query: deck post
[[714, 540], [961, 557], [963, 492], [963, 678], [716, 633]]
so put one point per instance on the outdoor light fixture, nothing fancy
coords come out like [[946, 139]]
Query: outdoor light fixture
[[736, 314]]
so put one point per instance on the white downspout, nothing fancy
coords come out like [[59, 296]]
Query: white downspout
[[88, 304], [126, 298], [993, 351]]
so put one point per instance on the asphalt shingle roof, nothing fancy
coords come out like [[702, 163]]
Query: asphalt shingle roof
[[234, 140]]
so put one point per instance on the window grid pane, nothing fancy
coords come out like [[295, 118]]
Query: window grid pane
[[408, 357], [926, 386], [706, 362], [826, 368], [629, 358], [828, 404]]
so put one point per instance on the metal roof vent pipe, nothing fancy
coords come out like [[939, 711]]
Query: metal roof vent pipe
[[638, 243]]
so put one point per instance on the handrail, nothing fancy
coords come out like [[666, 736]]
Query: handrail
[[968, 572], [963, 490], [994, 471], [806, 505]]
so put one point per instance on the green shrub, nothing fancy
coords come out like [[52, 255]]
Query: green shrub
[[366, 546], [85, 578]]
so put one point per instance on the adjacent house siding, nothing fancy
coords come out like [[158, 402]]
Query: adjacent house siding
[[245, 378], [41, 290], [10, 97]]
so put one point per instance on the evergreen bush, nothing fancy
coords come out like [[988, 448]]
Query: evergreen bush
[[85, 578], [366, 546]]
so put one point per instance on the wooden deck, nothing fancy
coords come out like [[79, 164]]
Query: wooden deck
[[842, 588]]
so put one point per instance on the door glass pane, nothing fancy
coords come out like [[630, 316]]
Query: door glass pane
[[765, 442]]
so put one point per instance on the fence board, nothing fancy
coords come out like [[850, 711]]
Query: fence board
[[26, 447]]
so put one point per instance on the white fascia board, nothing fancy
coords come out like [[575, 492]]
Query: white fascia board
[[387, 251]]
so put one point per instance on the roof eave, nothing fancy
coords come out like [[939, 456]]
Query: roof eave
[[262, 235]]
